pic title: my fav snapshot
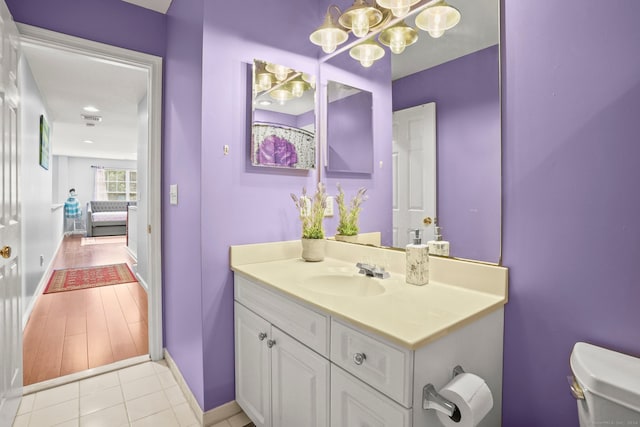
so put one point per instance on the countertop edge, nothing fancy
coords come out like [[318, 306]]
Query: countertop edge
[[409, 345]]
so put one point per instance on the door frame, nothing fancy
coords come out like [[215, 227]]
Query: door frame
[[153, 65]]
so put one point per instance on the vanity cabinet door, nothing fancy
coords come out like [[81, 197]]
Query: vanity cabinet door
[[355, 404], [300, 384], [253, 365]]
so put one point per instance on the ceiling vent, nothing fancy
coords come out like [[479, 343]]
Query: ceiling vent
[[91, 118]]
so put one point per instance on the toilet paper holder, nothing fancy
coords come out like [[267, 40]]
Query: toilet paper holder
[[431, 399]]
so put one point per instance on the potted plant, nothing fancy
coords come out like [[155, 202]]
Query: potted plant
[[312, 216], [348, 223]]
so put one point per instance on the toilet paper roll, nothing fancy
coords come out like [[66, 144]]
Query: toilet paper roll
[[471, 395]]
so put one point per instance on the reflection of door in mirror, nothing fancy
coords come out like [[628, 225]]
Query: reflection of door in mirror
[[414, 171]]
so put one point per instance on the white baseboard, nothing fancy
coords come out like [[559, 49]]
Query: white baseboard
[[41, 285], [144, 284], [133, 255], [208, 418]]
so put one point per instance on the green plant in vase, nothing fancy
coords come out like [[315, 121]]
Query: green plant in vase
[[311, 211], [349, 214]]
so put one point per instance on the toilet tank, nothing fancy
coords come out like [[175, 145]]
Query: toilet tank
[[610, 383]]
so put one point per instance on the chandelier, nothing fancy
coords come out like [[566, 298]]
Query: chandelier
[[362, 18], [280, 83]]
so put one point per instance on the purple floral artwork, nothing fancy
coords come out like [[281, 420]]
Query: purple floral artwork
[[276, 151]]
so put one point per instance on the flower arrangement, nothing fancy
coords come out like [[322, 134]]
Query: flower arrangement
[[312, 212], [348, 225]]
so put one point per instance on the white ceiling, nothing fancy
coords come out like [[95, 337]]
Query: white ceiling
[[478, 29], [68, 82], [158, 5]]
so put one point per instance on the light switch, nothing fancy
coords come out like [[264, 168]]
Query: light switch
[[173, 194], [328, 210]]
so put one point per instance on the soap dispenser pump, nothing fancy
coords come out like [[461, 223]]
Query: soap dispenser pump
[[438, 246], [417, 260]]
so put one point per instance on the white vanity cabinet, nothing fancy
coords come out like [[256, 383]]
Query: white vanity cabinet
[[280, 382], [299, 366]]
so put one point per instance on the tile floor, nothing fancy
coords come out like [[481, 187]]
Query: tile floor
[[140, 395]]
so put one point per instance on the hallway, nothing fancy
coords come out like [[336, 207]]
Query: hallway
[[76, 330]]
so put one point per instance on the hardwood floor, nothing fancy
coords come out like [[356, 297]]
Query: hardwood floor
[[72, 331]]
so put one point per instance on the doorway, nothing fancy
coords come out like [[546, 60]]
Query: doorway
[[148, 272]]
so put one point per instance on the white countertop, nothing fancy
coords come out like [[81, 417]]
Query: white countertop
[[408, 315]]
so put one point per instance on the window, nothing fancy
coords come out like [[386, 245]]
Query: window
[[120, 184]]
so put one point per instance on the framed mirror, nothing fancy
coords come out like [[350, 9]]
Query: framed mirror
[[459, 72], [283, 117], [349, 129]]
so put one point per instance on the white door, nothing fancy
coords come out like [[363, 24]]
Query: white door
[[300, 384], [253, 365], [414, 171], [10, 262]]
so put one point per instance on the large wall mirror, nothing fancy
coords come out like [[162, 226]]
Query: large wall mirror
[[458, 74], [283, 121]]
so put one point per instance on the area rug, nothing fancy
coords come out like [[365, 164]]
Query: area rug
[[71, 279]]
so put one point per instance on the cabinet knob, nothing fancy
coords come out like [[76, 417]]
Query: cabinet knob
[[271, 343], [358, 358], [262, 336]]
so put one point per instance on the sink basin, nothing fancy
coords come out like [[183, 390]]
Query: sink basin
[[355, 285]]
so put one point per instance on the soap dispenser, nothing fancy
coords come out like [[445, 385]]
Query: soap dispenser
[[417, 260], [438, 246]]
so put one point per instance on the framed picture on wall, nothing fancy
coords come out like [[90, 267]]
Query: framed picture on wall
[[44, 143]]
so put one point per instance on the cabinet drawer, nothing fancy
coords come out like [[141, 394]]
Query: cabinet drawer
[[307, 326], [382, 365], [355, 404]]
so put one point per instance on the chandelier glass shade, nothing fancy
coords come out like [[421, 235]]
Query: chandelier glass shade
[[367, 53], [398, 37], [438, 18], [399, 8], [330, 34], [360, 18]]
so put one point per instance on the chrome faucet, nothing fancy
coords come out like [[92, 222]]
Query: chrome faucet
[[371, 270]]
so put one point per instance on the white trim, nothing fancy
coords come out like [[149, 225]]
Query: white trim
[[40, 289], [209, 418], [153, 65], [144, 284], [83, 375]]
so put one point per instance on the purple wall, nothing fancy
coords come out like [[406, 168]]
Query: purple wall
[[350, 134], [467, 96], [267, 116], [305, 119], [240, 203], [181, 157], [571, 200], [112, 22]]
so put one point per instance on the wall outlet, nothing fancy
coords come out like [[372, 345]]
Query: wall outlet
[[328, 210], [173, 194]]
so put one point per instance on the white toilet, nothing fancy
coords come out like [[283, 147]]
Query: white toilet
[[607, 386]]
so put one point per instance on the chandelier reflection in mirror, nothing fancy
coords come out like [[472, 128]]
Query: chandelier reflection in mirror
[[386, 18], [279, 83]]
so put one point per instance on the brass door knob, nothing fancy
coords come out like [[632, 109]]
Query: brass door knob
[[427, 220], [5, 252]]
